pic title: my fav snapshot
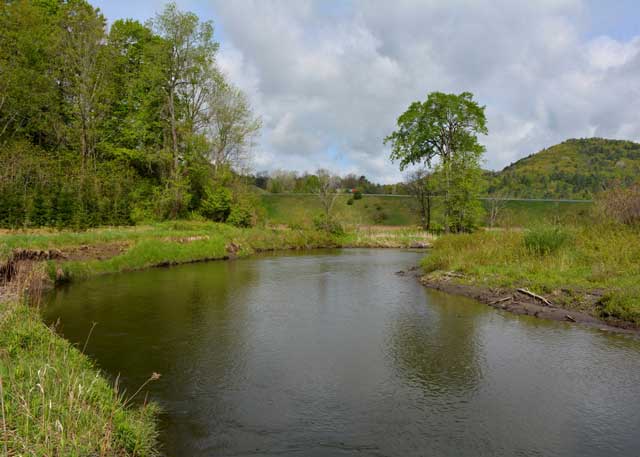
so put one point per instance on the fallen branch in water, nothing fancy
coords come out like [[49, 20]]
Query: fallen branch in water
[[536, 296]]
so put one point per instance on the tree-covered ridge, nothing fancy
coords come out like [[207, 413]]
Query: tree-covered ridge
[[576, 168]]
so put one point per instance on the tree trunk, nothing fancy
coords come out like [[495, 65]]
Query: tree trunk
[[174, 133]]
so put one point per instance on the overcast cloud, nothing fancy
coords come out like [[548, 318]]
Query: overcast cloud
[[329, 79]]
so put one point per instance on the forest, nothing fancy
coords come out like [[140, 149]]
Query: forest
[[116, 125]]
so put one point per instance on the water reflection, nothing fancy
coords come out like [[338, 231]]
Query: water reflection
[[333, 354], [437, 346]]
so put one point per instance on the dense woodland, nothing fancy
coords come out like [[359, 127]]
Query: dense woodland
[[115, 125]]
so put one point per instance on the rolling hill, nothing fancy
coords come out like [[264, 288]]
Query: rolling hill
[[575, 169]]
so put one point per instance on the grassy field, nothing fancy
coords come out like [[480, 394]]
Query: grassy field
[[403, 210], [589, 268]]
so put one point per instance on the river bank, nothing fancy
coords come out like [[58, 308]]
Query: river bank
[[588, 275], [55, 400]]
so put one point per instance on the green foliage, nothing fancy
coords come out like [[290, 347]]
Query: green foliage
[[576, 168], [441, 126], [111, 127], [357, 195], [350, 201], [242, 215], [328, 224], [216, 205], [545, 240]]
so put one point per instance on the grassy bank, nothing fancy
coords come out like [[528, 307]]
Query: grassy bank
[[591, 269], [55, 401]]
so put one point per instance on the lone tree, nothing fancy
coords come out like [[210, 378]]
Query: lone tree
[[327, 191], [443, 127]]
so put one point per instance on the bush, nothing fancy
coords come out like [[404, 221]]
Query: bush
[[621, 205], [379, 217], [242, 215], [328, 224], [545, 240], [357, 195], [216, 204], [172, 201], [350, 202]]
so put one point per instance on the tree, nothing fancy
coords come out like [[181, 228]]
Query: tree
[[444, 127], [29, 96], [495, 204], [85, 70], [190, 54], [232, 127], [420, 184], [326, 190]]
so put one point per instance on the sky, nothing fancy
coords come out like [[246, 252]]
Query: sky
[[330, 78]]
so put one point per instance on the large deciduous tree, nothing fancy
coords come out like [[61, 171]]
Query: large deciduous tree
[[444, 128], [190, 55]]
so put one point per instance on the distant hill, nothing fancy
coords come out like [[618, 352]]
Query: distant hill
[[576, 168]]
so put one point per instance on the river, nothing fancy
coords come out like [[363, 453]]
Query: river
[[330, 353]]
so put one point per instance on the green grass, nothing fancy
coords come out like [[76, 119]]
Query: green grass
[[295, 209], [518, 213], [591, 261], [56, 402], [370, 210]]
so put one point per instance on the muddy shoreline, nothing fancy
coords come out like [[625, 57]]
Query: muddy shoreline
[[517, 302]]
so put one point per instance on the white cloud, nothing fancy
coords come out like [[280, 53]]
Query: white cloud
[[330, 84]]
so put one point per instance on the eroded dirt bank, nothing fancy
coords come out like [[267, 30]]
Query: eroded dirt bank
[[523, 302]]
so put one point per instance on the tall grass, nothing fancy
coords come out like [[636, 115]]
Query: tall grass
[[594, 261], [55, 401], [546, 239]]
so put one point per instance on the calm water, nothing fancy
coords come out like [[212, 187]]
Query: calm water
[[332, 354]]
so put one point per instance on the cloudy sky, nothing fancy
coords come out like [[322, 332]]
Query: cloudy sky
[[329, 78]]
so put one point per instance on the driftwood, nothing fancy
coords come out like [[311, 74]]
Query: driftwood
[[495, 302], [536, 296], [452, 274], [569, 317]]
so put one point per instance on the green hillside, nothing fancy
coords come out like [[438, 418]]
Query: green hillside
[[573, 169], [299, 209]]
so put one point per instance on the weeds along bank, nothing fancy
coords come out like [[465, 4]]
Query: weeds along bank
[[55, 401], [592, 269]]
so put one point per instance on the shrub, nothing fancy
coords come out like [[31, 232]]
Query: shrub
[[216, 204], [328, 224], [545, 240], [357, 195], [621, 205], [242, 215], [172, 201], [379, 217], [350, 202]]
